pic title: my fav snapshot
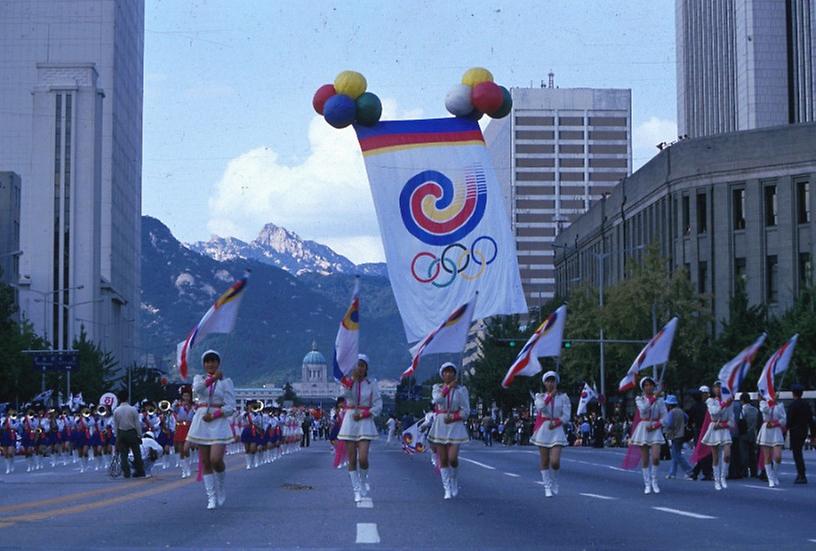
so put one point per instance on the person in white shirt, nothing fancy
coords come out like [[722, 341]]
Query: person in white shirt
[[392, 428], [151, 451]]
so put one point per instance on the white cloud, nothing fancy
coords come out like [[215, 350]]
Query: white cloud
[[647, 135], [324, 198]]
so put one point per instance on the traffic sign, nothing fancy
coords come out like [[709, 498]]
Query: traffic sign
[[55, 360]]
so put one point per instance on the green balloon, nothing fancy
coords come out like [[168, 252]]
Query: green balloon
[[369, 109], [507, 105]]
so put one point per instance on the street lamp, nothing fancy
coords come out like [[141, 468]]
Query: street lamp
[[12, 253], [46, 294]]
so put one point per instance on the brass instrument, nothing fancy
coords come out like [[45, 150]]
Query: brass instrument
[[52, 411], [164, 406], [30, 413], [102, 410], [85, 412], [257, 407], [150, 410], [13, 414], [38, 431]]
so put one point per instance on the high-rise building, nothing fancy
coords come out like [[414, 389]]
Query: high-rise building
[[71, 79], [560, 150], [744, 64], [9, 227]]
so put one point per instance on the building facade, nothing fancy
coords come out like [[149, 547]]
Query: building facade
[[71, 79], [9, 227], [315, 384], [730, 207], [559, 151], [744, 64]]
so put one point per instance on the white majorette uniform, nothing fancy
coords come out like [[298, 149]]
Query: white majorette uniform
[[447, 401], [218, 398], [362, 397], [652, 412], [722, 419], [551, 408], [773, 419]]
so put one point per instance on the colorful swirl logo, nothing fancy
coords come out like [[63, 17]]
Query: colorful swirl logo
[[440, 212]]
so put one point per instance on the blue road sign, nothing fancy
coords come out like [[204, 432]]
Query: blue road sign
[[55, 360]]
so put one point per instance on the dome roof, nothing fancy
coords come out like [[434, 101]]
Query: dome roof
[[314, 357]]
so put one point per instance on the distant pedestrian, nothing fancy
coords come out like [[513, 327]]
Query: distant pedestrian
[[128, 431], [391, 426], [748, 425], [487, 430], [586, 429], [800, 421], [675, 432]]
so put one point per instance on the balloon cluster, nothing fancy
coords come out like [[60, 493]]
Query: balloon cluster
[[478, 95], [346, 101]]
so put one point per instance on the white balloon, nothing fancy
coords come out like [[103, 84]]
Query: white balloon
[[458, 100]]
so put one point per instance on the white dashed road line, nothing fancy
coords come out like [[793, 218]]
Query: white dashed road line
[[598, 496], [514, 475], [482, 465], [684, 513], [367, 533], [758, 487], [365, 503]]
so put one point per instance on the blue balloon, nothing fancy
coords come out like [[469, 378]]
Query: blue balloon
[[340, 111]]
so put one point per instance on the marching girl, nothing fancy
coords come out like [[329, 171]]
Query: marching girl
[[9, 428], [108, 437], [48, 438], [718, 434], [167, 427], [451, 408], [648, 434], [66, 423], [83, 425], [771, 438], [250, 435], [553, 414], [97, 439], [363, 403], [215, 402], [183, 416], [29, 438], [269, 434]]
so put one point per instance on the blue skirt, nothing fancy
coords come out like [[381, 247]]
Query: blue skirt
[[247, 437], [8, 439], [165, 439]]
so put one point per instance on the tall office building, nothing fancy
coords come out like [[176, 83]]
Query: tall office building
[[9, 227], [71, 79], [558, 151], [744, 64]]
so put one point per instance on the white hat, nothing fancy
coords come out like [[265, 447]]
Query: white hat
[[704, 389], [363, 358], [150, 434], [644, 379], [447, 365], [549, 374], [717, 383], [209, 353]]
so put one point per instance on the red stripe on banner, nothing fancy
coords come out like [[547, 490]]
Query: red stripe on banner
[[390, 140]]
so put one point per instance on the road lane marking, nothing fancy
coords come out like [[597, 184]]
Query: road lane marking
[[598, 496], [514, 475], [477, 463], [595, 464], [367, 533], [758, 487], [365, 503], [684, 513], [812, 541], [67, 497]]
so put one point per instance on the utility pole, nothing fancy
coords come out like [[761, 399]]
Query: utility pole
[[601, 257]]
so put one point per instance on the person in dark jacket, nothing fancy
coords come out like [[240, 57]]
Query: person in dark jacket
[[800, 421]]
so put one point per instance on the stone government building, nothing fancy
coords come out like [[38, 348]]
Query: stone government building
[[726, 207]]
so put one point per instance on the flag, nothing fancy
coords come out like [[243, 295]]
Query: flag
[[347, 343], [414, 440], [655, 352], [546, 341], [43, 397], [733, 373], [444, 225], [775, 365], [587, 395], [77, 400], [220, 318], [450, 336]]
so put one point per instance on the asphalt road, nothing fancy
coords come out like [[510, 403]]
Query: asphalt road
[[300, 502]]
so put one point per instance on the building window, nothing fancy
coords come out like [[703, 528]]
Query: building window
[[803, 201], [738, 205], [686, 216], [702, 277], [702, 213], [772, 278], [805, 270], [770, 206], [740, 271]]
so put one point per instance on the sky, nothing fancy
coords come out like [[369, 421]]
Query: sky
[[231, 141]]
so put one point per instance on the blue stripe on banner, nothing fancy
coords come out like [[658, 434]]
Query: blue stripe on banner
[[336, 367], [449, 124]]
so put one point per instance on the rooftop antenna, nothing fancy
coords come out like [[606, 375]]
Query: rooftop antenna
[[551, 79]]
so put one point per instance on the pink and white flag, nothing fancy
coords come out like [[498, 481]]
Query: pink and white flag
[[546, 341], [775, 365], [733, 373], [655, 352]]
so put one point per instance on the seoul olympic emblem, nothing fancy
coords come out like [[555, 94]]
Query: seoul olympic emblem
[[456, 261]]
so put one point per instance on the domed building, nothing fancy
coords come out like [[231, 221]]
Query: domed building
[[316, 385]]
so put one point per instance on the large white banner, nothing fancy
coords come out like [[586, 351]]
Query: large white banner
[[443, 222]]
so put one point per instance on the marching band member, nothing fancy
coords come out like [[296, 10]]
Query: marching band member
[[108, 437], [82, 436], [183, 416], [648, 434], [29, 437], [9, 428], [771, 438], [215, 402], [451, 408], [167, 427], [269, 434], [96, 438], [363, 403], [718, 434], [553, 413], [251, 422]]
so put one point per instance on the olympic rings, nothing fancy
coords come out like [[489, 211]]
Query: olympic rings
[[479, 251]]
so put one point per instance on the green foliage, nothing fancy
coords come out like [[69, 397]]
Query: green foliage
[[97, 370], [801, 319], [289, 394], [145, 383]]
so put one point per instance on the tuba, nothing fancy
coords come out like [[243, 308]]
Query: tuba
[[150, 410], [164, 406], [102, 410], [85, 412], [257, 407]]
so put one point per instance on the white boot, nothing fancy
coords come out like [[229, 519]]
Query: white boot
[[8, 465], [29, 464], [769, 471], [454, 481], [74, 456], [554, 481], [83, 464], [653, 473], [723, 475], [446, 482], [209, 487], [775, 470], [355, 485], [717, 476], [647, 486], [220, 490], [255, 460], [545, 478], [248, 459], [185, 467], [365, 487]]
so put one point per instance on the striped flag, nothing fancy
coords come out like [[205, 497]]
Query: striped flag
[[655, 352], [546, 341], [450, 336], [775, 365], [347, 343], [733, 373], [220, 318]]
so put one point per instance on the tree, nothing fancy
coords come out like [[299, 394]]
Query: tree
[[289, 394], [801, 319], [97, 369]]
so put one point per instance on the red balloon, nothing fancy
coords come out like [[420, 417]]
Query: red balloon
[[487, 97], [323, 93]]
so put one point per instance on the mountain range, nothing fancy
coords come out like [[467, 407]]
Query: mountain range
[[296, 295]]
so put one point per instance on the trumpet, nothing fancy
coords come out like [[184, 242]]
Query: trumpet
[[164, 406], [85, 412], [102, 410], [257, 407]]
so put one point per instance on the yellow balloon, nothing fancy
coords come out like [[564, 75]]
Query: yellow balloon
[[477, 75], [350, 83]]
